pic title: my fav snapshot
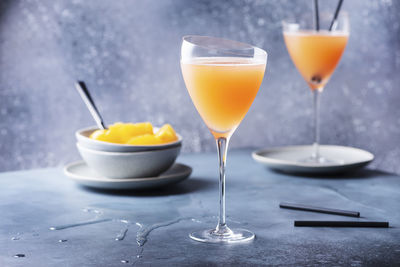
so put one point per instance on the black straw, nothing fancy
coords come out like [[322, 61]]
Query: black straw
[[316, 14], [295, 206], [335, 16], [341, 224]]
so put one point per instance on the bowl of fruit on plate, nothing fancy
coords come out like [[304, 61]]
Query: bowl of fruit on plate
[[128, 150]]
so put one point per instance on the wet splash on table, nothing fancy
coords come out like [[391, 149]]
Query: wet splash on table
[[121, 235], [95, 220], [141, 237], [142, 234], [65, 226], [139, 255]]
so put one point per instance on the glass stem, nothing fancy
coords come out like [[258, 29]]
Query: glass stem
[[316, 101], [222, 146]]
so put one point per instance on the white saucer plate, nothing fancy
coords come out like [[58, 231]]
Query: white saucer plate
[[289, 159], [82, 174]]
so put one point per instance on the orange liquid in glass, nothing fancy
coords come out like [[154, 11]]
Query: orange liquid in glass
[[222, 89], [316, 54]]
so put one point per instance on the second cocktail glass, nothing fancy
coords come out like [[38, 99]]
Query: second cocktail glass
[[316, 53], [222, 78]]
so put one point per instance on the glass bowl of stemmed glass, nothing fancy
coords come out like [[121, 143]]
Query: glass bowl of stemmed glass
[[222, 78]]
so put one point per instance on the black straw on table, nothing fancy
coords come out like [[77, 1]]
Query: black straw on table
[[341, 224], [335, 16], [316, 15], [294, 206]]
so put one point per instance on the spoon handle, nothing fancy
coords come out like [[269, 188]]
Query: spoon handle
[[87, 98]]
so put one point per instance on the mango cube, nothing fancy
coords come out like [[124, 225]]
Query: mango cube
[[147, 139], [167, 134], [99, 135], [137, 129]]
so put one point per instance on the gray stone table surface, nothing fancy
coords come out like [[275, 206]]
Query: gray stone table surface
[[156, 224]]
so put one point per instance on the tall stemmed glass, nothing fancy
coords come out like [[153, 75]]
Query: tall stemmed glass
[[222, 78], [316, 53]]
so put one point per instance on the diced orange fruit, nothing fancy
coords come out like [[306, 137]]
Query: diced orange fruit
[[135, 134], [99, 135], [147, 139], [167, 134], [136, 129], [113, 136]]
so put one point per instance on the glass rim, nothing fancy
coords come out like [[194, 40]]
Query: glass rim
[[295, 21], [241, 46]]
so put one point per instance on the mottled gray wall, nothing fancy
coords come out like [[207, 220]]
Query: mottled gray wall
[[128, 53]]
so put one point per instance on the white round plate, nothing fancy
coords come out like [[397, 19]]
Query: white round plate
[[82, 174], [288, 159]]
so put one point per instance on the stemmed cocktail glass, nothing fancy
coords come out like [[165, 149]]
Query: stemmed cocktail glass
[[222, 78], [316, 51]]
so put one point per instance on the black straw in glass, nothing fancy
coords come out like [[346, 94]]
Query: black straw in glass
[[335, 16], [316, 15], [295, 206], [341, 224]]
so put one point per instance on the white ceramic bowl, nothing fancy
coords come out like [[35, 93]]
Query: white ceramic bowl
[[82, 136], [129, 164]]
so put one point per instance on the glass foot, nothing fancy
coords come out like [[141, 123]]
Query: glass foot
[[228, 236]]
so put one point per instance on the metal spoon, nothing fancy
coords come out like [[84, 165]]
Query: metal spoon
[[87, 98]]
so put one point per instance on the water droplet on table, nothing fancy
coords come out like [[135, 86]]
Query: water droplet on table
[[124, 261], [62, 240], [16, 237], [92, 211], [121, 235], [195, 220], [19, 255]]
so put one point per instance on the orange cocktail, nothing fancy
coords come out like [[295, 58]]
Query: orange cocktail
[[316, 54], [222, 89], [222, 77]]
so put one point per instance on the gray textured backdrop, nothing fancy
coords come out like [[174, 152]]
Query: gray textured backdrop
[[128, 53]]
